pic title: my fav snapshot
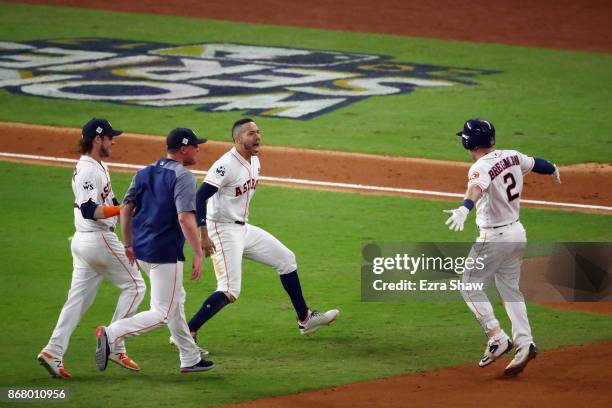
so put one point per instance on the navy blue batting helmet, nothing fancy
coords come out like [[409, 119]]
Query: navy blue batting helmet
[[477, 133]]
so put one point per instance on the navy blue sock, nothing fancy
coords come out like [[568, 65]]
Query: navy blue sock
[[291, 283], [215, 302]]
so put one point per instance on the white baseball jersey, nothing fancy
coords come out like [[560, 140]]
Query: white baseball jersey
[[236, 180], [96, 253], [500, 175], [91, 181]]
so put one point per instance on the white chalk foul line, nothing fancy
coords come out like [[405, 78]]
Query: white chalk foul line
[[315, 183]]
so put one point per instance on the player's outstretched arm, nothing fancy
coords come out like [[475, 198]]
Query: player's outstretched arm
[[106, 211], [93, 211], [458, 216], [542, 166]]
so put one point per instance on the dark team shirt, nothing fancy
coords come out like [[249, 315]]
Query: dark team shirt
[[160, 191]]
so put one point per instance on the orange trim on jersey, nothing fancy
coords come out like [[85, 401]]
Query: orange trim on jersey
[[173, 291], [223, 254], [532, 166], [479, 183], [156, 324], [159, 324], [111, 194], [128, 271], [467, 292], [246, 206], [212, 183], [495, 155], [95, 162], [238, 156]]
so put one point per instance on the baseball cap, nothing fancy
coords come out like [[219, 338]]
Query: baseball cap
[[182, 137], [99, 127]]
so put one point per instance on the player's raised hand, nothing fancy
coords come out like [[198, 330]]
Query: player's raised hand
[[457, 219], [556, 174], [196, 270]]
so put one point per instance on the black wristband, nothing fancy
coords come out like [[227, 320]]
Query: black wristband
[[469, 204]]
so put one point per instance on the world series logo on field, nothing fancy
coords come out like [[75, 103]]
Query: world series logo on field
[[265, 81]]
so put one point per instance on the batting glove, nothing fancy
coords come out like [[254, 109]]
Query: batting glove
[[457, 219], [556, 174]]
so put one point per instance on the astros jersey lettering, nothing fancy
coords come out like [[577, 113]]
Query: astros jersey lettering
[[500, 175], [91, 181], [495, 183], [500, 243], [227, 190], [236, 180]]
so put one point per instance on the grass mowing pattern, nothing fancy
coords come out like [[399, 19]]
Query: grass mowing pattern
[[255, 342]]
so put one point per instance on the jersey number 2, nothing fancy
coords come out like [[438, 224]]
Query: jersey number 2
[[511, 184]]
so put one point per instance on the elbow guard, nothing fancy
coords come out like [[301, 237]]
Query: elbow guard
[[204, 193], [542, 166], [88, 209]]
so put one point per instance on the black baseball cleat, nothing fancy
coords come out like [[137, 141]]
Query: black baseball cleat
[[102, 348], [202, 365], [522, 357]]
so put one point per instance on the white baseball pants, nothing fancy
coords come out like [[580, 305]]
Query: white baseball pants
[[233, 242], [502, 253], [167, 307], [96, 255]]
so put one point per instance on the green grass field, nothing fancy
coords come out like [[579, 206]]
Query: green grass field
[[255, 342], [543, 102]]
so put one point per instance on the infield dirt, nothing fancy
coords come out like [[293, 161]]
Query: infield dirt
[[569, 377], [564, 24], [581, 183]]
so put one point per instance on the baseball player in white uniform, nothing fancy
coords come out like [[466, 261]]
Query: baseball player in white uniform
[[495, 184], [223, 213], [96, 250]]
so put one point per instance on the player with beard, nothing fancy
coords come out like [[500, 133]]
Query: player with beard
[[96, 250], [222, 214]]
